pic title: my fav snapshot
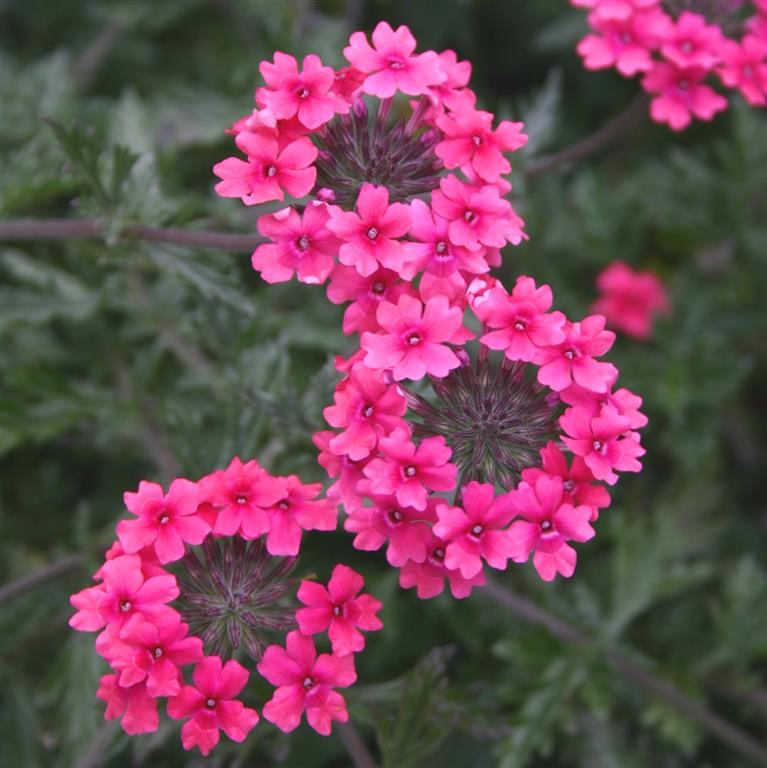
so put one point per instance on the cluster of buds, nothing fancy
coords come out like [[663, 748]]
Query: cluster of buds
[[676, 45], [203, 573]]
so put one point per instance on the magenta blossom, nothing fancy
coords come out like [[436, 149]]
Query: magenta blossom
[[339, 609], [408, 471], [475, 530], [546, 527], [135, 705], [366, 294], [210, 705], [407, 530], [123, 593], [679, 94], [428, 577], [630, 299], [604, 442], [270, 170], [524, 324], [413, 338], [306, 95], [165, 521], [477, 216], [155, 654], [472, 141], [572, 360], [298, 509], [301, 245], [578, 486], [391, 65], [366, 408], [305, 683], [370, 235], [241, 493]]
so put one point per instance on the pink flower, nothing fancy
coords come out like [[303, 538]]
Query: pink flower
[[301, 245], [366, 294], [348, 472], [369, 235], [604, 441], [434, 252], [297, 510], [624, 43], [412, 339], [407, 530], [366, 408], [474, 530], [305, 683], [391, 65], [306, 94], [523, 323], [573, 359], [210, 705], [691, 43], [680, 94], [135, 705], [471, 140], [340, 609], [164, 521], [547, 526], [155, 654], [242, 492], [123, 593], [477, 216], [578, 487], [630, 299], [744, 67], [428, 577], [409, 472], [269, 171]]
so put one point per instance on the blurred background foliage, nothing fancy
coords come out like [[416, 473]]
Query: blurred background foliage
[[125, 359]]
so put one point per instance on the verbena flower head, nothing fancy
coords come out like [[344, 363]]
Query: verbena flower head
[[202, 577], [468, 426], [395, 171], [678, 46]]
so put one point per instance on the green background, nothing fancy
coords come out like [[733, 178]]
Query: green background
[[128, 359]]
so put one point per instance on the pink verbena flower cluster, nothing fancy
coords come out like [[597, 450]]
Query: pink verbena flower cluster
[[677, 45], [629, 300], [397, 191], [418, 416], [202, 573]]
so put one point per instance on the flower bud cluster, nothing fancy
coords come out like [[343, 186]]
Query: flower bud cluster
[[676, 45]]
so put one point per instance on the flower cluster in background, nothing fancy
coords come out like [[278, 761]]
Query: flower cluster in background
[[678, 46], [630, 300], [203, 573]]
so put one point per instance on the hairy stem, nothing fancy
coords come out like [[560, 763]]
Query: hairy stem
[[355, 746], [611, 130], [92, 229]]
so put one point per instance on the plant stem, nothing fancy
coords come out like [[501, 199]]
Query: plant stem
[[721, 728], [14, 589], [92, 229], [356, 748], [591, 144]]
